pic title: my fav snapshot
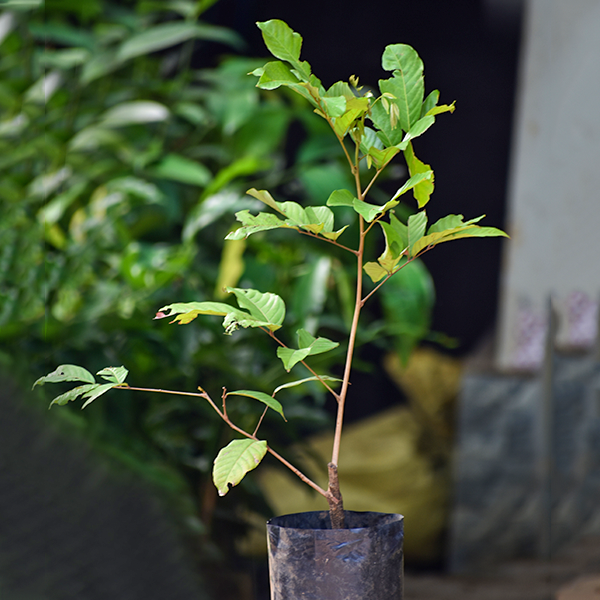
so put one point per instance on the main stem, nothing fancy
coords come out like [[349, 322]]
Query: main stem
[[334, 496]]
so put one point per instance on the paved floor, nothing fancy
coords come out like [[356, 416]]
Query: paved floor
[[519, 580]]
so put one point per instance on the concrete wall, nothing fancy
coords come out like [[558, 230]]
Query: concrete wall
[[554, 197]]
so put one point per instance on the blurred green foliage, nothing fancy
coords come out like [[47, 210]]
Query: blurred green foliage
[[121, 167]]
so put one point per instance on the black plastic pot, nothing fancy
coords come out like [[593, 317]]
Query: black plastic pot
[[310, 561]]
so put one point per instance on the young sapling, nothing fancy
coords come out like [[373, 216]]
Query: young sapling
[[373, 129]]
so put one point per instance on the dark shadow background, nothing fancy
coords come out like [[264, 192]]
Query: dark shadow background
[[470, 50]]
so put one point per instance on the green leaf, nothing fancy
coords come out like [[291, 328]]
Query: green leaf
[[430, 102], [375, 271], [370, 211], [400, 231], [415, 180], [438, 110], [170, 34], [73, 394], [419, 128], [65, 59], [407, 300], [389, 133], [179, 168], [101, 63], [275, 74], [305, 380], [246, 165], [92, 394], [407, 84], [66, 373], [457, 230], [382, 157], [21, 4], [267, 308], [451, 222], [137, 111], [355, 109], [235, 460], [91, 138], [334, 107], [341, 198], [285, 44], [395, 246], [187, 311], [316, 219], [261, 397], [114, 374], [423, 190], [417, 225], [320, 219], [308, 346], [253, 224]]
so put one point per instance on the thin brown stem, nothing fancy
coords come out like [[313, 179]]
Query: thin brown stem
[[232, 425], [324, 239], [350, 352], [260, 421], [223, 396], [297, 472], [373, 180]]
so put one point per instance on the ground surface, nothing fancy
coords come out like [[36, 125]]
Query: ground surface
[[519, 580]]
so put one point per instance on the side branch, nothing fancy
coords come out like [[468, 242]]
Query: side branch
[[203, 394], [324, 239]]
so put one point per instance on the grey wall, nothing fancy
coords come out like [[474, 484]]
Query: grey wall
[[554, 195]]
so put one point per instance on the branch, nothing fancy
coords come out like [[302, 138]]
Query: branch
[[232, 425], [324, 239]]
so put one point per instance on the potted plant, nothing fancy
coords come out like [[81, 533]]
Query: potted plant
[[334, 554]]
